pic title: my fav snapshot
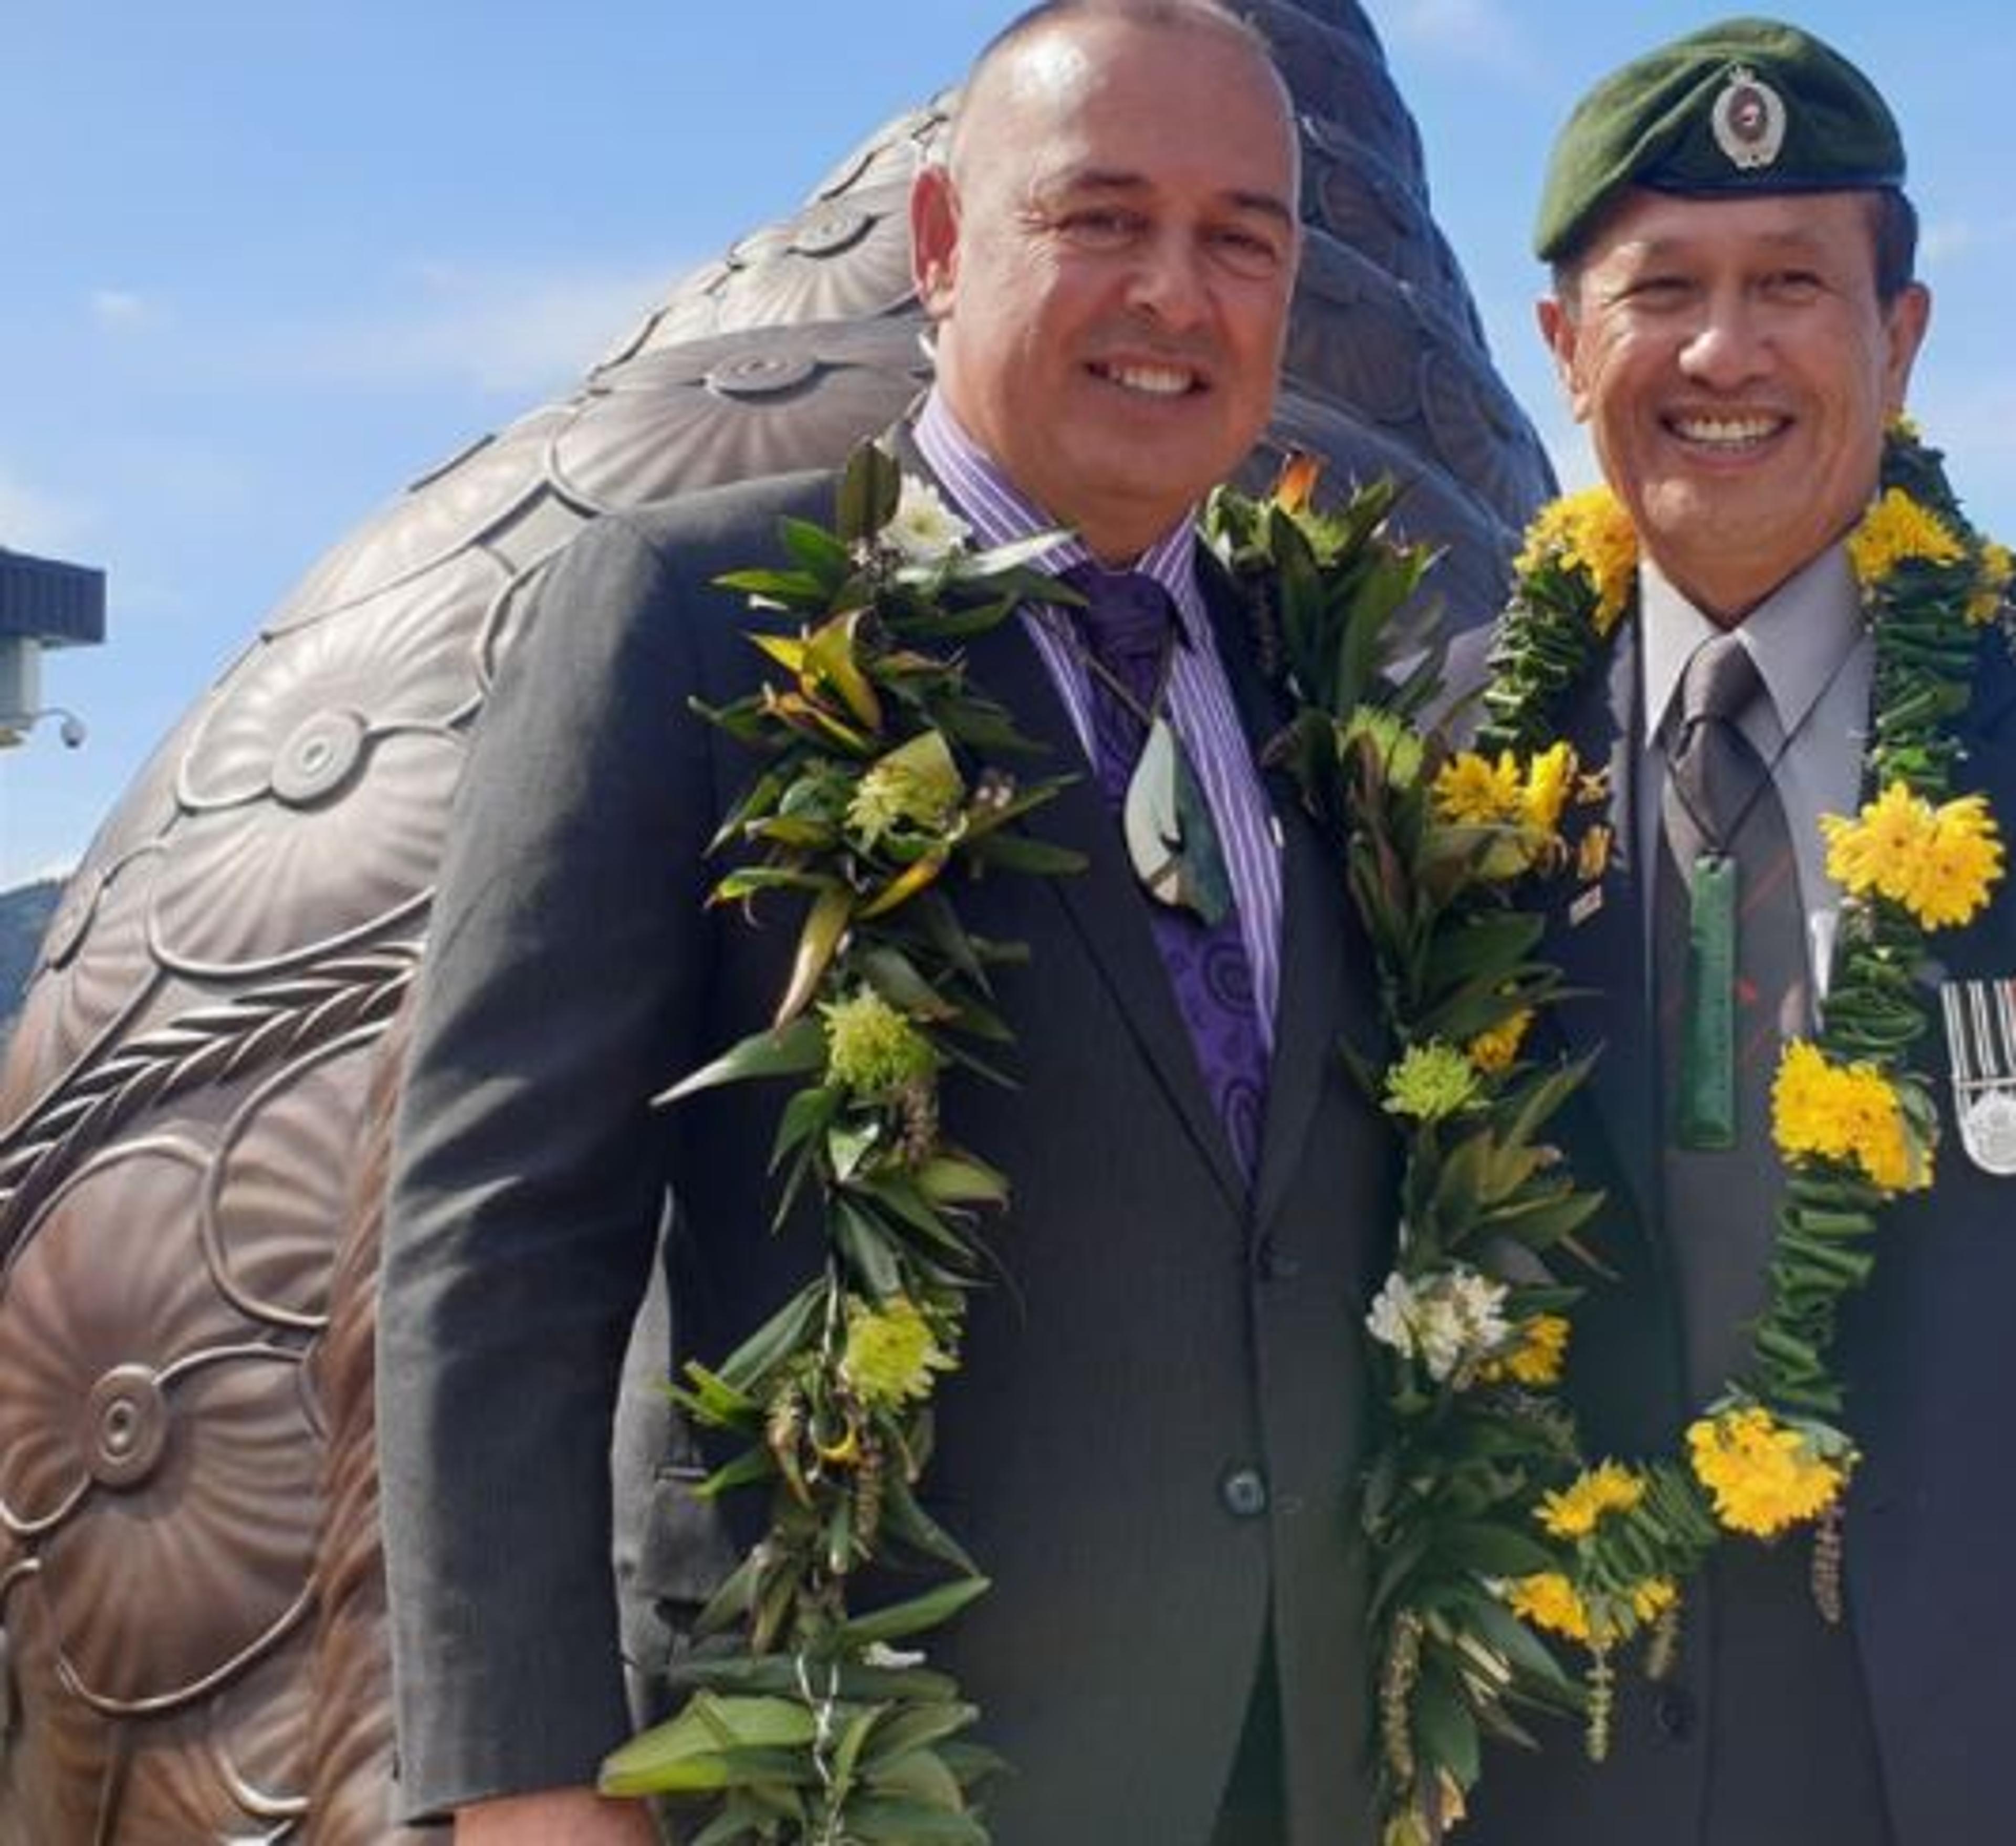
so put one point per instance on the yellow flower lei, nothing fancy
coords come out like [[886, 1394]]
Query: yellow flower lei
[[1853, 1119]]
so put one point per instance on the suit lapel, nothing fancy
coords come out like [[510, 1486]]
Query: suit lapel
[[1598, 941]]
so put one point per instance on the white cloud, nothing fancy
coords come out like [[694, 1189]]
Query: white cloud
[[500, 330], [1463, 31], [1950, 240], [31, 520], [119, 311]]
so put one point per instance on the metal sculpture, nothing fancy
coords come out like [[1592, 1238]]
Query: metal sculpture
[[192, 1115]]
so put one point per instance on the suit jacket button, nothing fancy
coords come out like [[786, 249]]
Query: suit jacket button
[[1673, 1711], [1272, 1265], [1245, 1492]]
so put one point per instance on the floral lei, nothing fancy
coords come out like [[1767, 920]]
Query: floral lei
[[1491, 1527], [802, 1722]]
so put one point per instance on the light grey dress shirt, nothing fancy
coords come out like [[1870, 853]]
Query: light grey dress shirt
[[1810, 640]]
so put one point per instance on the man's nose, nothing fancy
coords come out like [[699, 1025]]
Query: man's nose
[[1730, 345], [1169, 283]]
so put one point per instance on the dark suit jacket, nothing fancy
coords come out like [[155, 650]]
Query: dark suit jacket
[[1156, 1335], [1923, 1356]]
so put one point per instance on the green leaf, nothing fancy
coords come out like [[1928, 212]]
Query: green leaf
[[799, 1048], [1491, 1551], [1445, 1733], [821, 554], [920, 1777], [826, 923], [948, 1182], [919, 1612], [916, 1729], [1022, 852], [868, 1250], [794, 589], [905, 1520], [786, 1332], [690, 1751], [806, 1116], [895, 977], [870, 484]]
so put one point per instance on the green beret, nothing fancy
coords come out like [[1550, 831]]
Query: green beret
[[1748, 105]]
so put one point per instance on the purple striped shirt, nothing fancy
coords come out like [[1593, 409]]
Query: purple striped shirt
[[1200, 703]]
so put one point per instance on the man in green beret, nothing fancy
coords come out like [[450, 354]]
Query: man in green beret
[[1735, 317]]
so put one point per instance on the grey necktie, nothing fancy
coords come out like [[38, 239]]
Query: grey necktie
[[1723, 827]]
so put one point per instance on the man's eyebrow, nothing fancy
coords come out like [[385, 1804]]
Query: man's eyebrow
[[1099, 179]]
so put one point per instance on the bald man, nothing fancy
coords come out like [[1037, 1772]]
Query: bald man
[[1149, 1441]]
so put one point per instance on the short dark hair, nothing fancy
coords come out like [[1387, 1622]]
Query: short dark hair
[[1894, 220], [1893, 226]]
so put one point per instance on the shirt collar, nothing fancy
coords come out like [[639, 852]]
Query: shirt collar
[[1799, 636], [1000, 513]]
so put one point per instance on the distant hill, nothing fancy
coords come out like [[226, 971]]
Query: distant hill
[[24, 913]]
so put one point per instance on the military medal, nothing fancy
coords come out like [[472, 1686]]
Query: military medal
[[1981, 1054]]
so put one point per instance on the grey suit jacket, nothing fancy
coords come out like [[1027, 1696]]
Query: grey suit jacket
[[1159, 1341], [1924, 1356]]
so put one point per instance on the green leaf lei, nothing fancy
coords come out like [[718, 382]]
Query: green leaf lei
[[877, 793], [1489, 1528]]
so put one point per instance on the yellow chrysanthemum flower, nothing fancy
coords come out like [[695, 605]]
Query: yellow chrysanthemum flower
[[1652, 1596], [1549, 1601], [1471, 790], [1493, 1050], [1591, 533], [1542, 1352], [1762, 1476], [1550, 778], [1577, 1509], [1896, 529], [1997, 565], [1430, 1081], [1850, 1113], [871, 1048], [1940, 863], [1867, 853], [891, 1352], [1961, 864]]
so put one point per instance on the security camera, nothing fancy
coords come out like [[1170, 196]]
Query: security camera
[[71, 731]]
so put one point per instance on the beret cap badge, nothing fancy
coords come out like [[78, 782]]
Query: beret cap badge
[[1748, 120]]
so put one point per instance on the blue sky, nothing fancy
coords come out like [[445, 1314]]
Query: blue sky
[[263, 261]]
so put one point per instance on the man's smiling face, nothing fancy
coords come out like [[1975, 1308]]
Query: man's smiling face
[[1109, 261], [1736, 370]]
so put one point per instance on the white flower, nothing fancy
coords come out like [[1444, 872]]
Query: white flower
[[923, 530], [1480, 1305], [1391, 1322], [1441, 1331], [1448, 1322]]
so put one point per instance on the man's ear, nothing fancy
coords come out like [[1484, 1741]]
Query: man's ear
[[1560, 329], [934, 238], [1904, 324]]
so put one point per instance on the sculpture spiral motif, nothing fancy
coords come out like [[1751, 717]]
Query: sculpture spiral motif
[[194, 1107]]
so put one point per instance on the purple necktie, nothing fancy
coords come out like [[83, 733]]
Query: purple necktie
[[1129, 627]]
